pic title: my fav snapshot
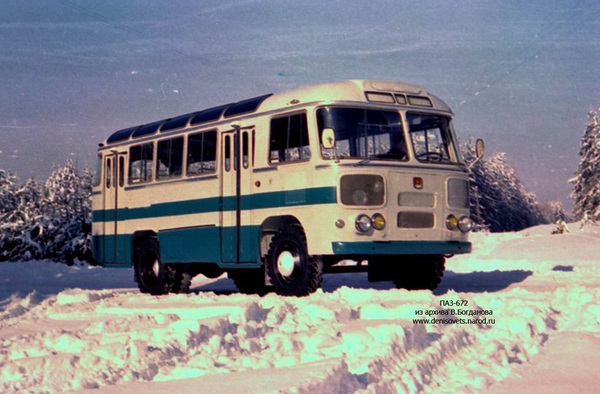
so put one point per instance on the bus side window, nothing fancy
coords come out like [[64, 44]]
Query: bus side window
[[140, 163], [121, 171], [169, 158], [108, 173], [202, 153], [236, 150], [289, 139], [98, 174], [227, 148], [245, 160]]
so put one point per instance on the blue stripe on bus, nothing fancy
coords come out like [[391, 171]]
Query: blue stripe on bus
[[312, 196], [186, 245]]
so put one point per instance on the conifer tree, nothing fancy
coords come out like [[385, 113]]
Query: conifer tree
[[586, 188], [46, 222], [499, 201]]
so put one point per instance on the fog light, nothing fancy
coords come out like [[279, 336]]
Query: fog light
[[378, 221], [465, 224], [451, 222], [363, 223]]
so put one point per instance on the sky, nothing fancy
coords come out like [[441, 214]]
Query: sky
[[521, 75]]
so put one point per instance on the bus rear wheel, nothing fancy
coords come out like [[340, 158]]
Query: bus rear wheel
[[422, 273], [153, 276], [290, 269]]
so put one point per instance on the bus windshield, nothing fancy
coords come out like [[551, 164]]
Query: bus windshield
[[363, 133], [431, 138]]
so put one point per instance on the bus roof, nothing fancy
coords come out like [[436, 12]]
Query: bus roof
[[356, 90]]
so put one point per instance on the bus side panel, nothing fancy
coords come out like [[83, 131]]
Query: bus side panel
[[195, 245], [104, 249], [201, 245]]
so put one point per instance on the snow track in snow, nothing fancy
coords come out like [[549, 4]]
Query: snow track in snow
[[342, 339], [90, 339]]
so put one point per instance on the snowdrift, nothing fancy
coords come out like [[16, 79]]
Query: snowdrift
[[86, 328]]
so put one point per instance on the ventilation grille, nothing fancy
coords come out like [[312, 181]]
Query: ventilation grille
[[415, 220], [414, 199]]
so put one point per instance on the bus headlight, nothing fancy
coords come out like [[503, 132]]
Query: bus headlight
[[451, 222], [360, 197], [465, 224], [363, 223], [378, 221], [362, 189]]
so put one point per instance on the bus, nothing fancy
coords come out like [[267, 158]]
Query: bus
[[276, 190]]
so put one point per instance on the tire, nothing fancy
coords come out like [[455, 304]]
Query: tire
[[421, 273], [153, 276], [182, 281], [290, 269], [249, 281]]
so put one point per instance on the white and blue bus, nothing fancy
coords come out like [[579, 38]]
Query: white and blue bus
[[278, 189]]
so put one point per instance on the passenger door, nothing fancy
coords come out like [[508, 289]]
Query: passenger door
[[237, 242], [113, 184]]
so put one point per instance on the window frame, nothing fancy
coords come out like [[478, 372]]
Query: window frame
[[121, 171], [369, 106], [98, 174], [187, 153], [451, 145], [308, 134], [108, 172], [130, 180], [157, 161]]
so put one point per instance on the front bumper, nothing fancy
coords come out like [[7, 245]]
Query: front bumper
[[401, 247]]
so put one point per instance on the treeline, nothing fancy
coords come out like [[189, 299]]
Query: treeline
[[46, 221], [499, 201]]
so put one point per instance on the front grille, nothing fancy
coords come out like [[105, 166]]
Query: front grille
[[458, 193], [416, 199], [415, 220]]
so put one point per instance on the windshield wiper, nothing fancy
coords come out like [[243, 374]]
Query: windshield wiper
[[365, 160]]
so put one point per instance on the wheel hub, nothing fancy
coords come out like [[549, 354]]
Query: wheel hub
[[156, 268], [286, 261]]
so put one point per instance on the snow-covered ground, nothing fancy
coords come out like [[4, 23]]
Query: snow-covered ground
[[87, 328]]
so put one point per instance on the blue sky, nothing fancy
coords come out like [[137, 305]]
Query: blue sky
[[521, 75]]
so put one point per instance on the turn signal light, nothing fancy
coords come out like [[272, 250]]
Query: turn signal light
[[378, 221], [451, 222]]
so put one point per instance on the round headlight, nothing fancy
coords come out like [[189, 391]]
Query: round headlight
[[378, 221], [451, 222], [465, 224], [363, 223]]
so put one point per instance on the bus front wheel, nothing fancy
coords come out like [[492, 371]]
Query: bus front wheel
[[153, 276], [291, 270]]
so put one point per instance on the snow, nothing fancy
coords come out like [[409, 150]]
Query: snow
[[87, 328]]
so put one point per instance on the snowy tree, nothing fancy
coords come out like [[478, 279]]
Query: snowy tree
[[586, 188], [66, 208], [46, 222], [19, 211], [499, 201]]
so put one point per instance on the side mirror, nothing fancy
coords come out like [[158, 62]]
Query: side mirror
[[328, 138], [479, 148]]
